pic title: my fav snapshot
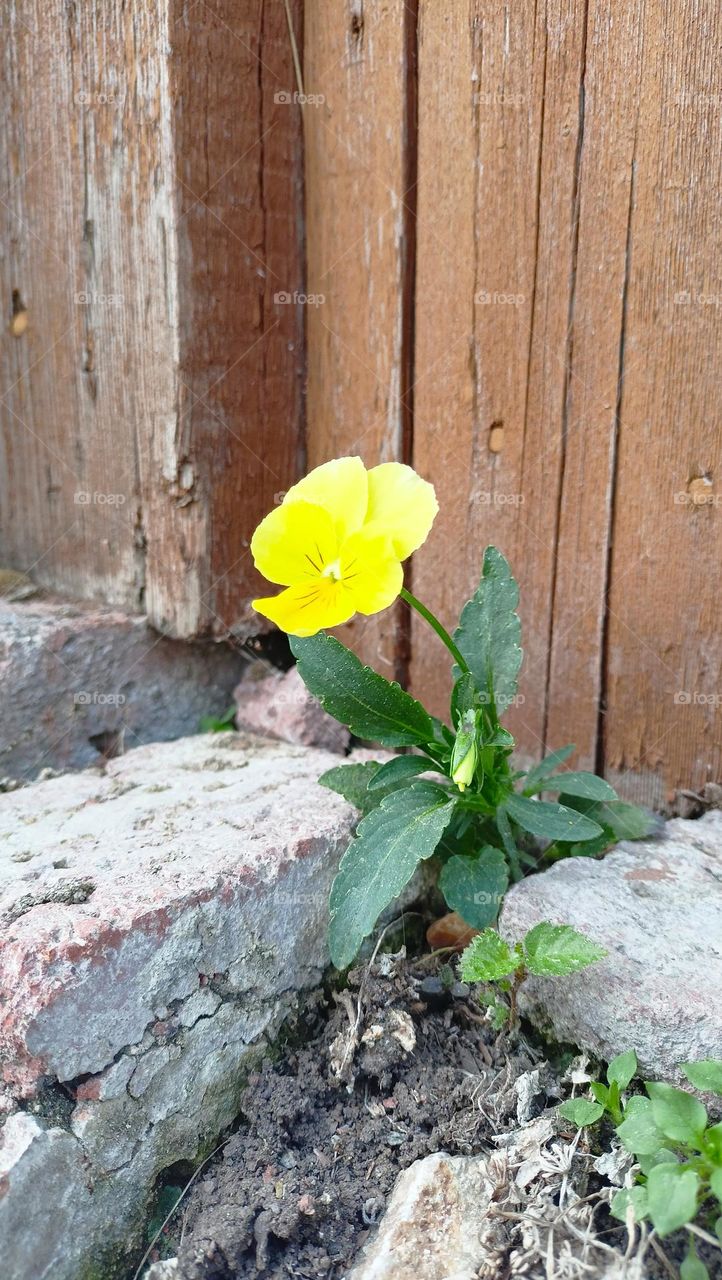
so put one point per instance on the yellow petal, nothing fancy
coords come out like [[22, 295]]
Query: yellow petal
[[402, 505], [370, 571], [293, 543], [304, 610], [341, 488]]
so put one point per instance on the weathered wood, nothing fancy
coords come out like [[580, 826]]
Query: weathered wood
[[550, 324], [563, 164], [607, 143], [239, 186], [664, 645], [357, 207], [73, 191], [151, 187], [495, 260]]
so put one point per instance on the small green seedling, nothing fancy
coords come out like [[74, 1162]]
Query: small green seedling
[[678, 1153], [607, 1097], [219, 724], [547, 950]]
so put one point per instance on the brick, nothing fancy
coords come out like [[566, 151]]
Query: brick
[[278, 705], [80, 680]]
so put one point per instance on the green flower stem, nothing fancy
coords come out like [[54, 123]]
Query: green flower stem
[[433, 621], [476, 803]]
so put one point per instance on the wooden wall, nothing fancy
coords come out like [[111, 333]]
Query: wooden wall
[[566, 342], [504, 268], [359, 210], [150, 214]]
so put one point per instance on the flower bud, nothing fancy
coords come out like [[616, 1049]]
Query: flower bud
[[465, 753]]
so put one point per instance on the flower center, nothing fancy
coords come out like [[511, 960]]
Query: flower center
[[332, 571]]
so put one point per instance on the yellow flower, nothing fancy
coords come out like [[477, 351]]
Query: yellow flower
[[337, 541]]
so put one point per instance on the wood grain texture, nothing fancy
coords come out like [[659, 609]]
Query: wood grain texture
[[151, 409], [664, 646], [510, 279], [74, 191], [495, 264], [569, 181], [238, 427], [357, 202], [607, 142]]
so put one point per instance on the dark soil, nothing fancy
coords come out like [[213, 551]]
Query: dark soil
[[400, 1064], [298, 1188]]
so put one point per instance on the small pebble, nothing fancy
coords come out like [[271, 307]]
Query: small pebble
[[450, 931], [434, 993]]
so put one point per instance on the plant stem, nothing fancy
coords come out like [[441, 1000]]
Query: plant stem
[[515, 866], [516, 982], [433, 621]]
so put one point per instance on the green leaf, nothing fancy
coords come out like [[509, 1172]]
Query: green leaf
[[662, 1156], [475, 886], [488, 958], [489, 632], [589, 848], [219, 724], [586, 785], [601, 1093], [499, 1015], [404, 829], [671, 1196], [550, 821], [351, 781], [397, 771], [503, 826], [464, 698], [629, 822], [712, 1144], [715, 1183], [693, 1267], [622, 1069], [557, 950], [677, 1114], [358, 697], [622, 821], [638, 1132], [705, 1075], [613, 1102], [637, 1197], [718, 1229], [581, 1111], [545, 768], [166, 1202]]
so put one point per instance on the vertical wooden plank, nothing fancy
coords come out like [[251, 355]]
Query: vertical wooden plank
[[151, 408], [664, 644], [356, 73], [607, 142], [75, 193], [235, 428], [498, 134]]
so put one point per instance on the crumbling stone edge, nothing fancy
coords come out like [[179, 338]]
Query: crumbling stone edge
[[185, 1129]]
